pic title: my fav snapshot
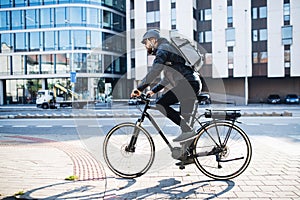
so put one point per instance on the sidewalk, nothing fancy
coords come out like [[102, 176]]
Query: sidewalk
[[37, 168]]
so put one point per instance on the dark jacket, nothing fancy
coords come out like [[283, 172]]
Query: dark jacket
[[168, 59]]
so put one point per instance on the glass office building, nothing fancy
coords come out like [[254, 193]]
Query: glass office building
[[42, 41]]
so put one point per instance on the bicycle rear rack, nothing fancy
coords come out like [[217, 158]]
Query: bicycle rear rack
[[223, 114]]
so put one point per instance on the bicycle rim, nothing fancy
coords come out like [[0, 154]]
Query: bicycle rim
[[128, 164], [234, 157]]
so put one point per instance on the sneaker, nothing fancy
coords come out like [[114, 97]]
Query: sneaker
[[185, 136]]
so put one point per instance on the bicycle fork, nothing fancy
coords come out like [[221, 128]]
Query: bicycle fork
[[131, 146]]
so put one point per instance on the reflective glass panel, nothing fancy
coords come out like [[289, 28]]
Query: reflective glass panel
[[4, 20], [34, 41], [17, 21]]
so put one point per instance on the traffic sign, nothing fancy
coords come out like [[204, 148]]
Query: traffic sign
[[73, 77]]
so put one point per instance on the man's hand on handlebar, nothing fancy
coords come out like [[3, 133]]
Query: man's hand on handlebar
[[135, 93], [150, 93]]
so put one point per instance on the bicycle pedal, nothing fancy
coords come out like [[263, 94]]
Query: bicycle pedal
[[185, 162], [182, 167]]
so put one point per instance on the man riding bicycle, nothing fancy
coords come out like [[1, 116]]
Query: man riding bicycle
[[184, 81]]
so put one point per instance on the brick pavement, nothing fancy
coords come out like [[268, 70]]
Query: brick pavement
[[38, 167]]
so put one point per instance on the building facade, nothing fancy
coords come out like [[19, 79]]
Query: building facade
[[43, 41], [250, 47]]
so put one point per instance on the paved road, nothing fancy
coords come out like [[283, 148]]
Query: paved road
[[38, 154]]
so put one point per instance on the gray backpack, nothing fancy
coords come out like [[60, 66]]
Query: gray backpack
[[192, 56]]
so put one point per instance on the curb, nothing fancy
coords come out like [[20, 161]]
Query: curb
[[126, 115]]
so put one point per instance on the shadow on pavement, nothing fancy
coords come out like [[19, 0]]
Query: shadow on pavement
[[84, 190], [166, 189], [173, 189]]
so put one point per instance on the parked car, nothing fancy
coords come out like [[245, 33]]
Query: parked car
[[135, 101], [204, 98], [292, 98], [274, 99]]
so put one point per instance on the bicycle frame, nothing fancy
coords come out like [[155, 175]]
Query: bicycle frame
[[147, 115], [194, 119]]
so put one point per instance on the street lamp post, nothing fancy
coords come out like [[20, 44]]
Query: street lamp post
[[72, 67], [246, 60], [72, 73]]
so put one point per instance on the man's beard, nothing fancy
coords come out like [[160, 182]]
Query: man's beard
[[150, 51]]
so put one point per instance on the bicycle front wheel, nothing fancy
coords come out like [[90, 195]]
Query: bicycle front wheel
[[222, 150], [128, 163]]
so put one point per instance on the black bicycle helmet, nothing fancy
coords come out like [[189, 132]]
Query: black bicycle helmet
[[152, 33]]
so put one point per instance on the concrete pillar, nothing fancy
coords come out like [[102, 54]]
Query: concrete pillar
[[1, 92]]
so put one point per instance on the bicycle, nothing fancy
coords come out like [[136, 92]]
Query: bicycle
[[221, 149]]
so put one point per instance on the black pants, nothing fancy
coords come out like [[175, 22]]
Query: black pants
[[184, 93]]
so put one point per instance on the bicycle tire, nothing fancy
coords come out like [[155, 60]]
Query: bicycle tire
[[128, 164], [235, 156]]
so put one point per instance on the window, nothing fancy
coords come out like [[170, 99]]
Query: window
[[60, 17], [4, 20], [96, 39], [287, 35], [230, 37], [263, 57], [263, 34], [229, 16], [21, 39], [260, 12], [76, 16], [32, 18], [153, 17], [19, 3], [106, 19], [81, 39], [92, 17], [34, 38], [17, 21], [208, 36], [254, 35], [173, 18], [260, 57], [259, 35], [207, 14], [255, 57], [63, 40], [254, 13], [35, 2], [201, 37], [286, 13], [205, 36], [45, 17], [7, 39], [287, 56], [49, 40], [263, 12], [5, 3], [230, 57]]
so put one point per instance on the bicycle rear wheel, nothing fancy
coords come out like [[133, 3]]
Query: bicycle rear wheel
[[222, 150], [125, 163]]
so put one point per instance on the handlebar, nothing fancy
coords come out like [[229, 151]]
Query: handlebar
[[144, 97]]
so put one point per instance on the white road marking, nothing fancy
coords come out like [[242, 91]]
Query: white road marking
[[69, 126], [43, 126]]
